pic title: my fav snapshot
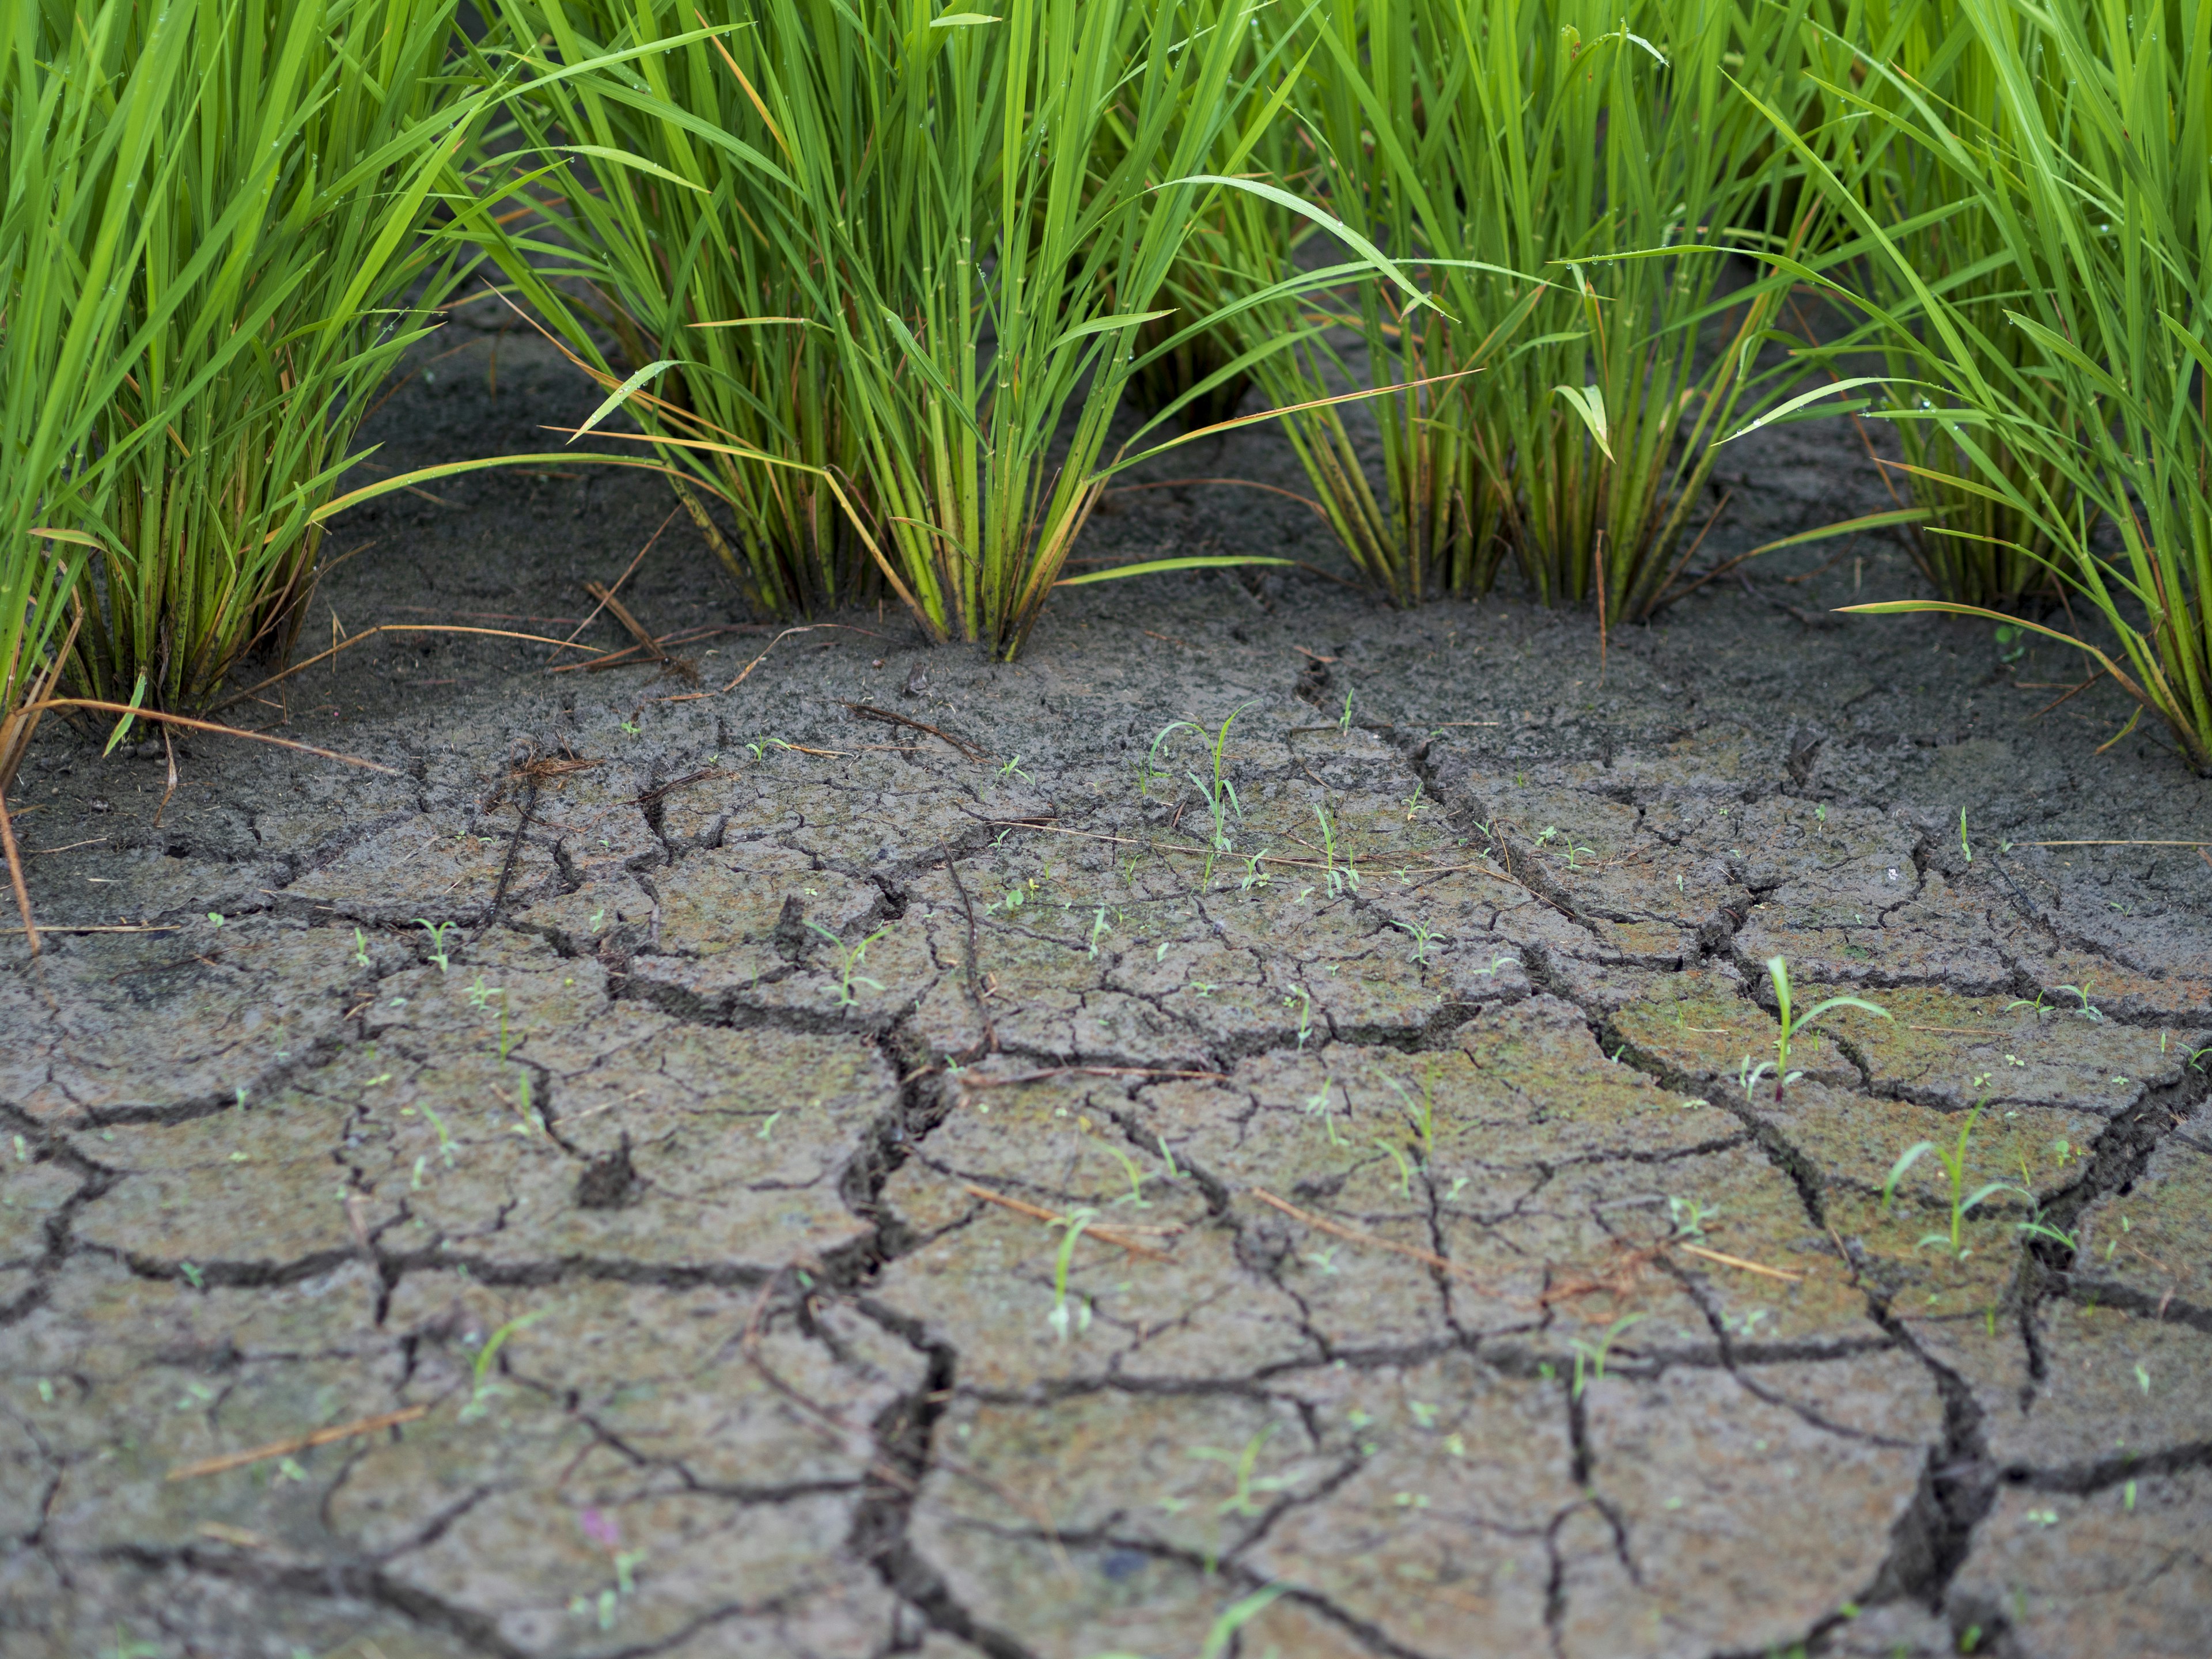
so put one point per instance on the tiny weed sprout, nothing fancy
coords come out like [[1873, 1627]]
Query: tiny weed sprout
[[1339, 878], [1168, 1158], [1404, 1169], [1301, 999], [1099, 926], [215, 918], [437, 931], [359, 949], [1423, 937], [1060, 1316], [483, 1390], [1793, 1028], [1137, 1175], [849, 960], [1254, 876], [1964, 845], [1687, 1217], [1013, 769], [1343, 726], [2085, 1010], [1320, 1104], [1594, 1354], [1242, 1501], [1954, 1168]]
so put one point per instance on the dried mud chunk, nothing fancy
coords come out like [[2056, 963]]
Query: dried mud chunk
[[1730, 1522], [1701, 1028], [239, 1193], [2126, 1569], [238, 1012], [739, 1141], [30, 1196], [1955, 1051], [1433, 1532], [2153, 1242]]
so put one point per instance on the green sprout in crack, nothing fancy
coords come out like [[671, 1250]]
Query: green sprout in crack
[[1414, 803], [1404, 1169], [1099, 926], [1425, 1115], [1137, 1174], [1423, 937], [1060, 1316], [1241, 1464], [1301, 999], [2085, 1010], [1593, 1354], [483, 1390], [1686, 1217], [849, 963], [1254, 876], [437, 931], [1339, 877], [448, 1148], [1320, 1105], [479, 994], [1794, 1026], [1954, 1168]]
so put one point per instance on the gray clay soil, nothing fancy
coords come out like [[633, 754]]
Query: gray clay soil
[[1113, 1235]]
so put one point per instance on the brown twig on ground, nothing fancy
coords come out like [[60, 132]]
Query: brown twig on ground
[[216, 727], [627, 572], [1788, 1276], [1113, 1236], [16, 876], [1086, 1070], [975, 982], [1614, 1283], [870, 712], [352, 640], [620, 611], [1353, 1235], [299, 1442], [745, 672]]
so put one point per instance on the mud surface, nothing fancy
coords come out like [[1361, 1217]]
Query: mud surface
[[815, 1187]]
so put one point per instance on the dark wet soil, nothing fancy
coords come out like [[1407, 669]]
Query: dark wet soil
[[742, 1175]]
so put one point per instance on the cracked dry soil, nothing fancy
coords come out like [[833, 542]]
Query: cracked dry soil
[[1437, 1266]]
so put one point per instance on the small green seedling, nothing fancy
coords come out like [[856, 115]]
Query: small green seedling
[[2085, 1010], [1013, 769], [448, 1148], [1059, 1318], [1137, 1176], [479, 994], [437, 931], [1423, 937], [1320, 1103], [1595, 1353], [359, 949], [1099, 926], [1954, 1166], [483, 1390], [1964, 845], [1302, 1000], [1793, 1027], [848, 974], [1340, 878], [1343, 726], [1254, 876], [1404, 1169], [1241, 1464], [1687, 1217], [1425, 1115]]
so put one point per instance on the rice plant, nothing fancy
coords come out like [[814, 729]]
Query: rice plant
[[1568, 178], [304, 143], [82, 116], [637, 235], [952, 270], [2093, 179]]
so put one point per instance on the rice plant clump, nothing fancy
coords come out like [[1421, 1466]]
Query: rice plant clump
[[280, 213]]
